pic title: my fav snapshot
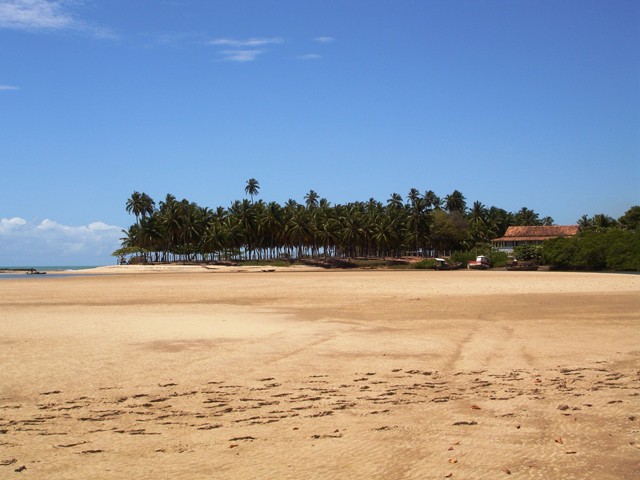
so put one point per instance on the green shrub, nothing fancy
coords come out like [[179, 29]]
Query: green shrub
[[424, 264], [498, 259], [591, 252], [463, 257], [609, 249], [558, 252], [622, 250], [528, 252]]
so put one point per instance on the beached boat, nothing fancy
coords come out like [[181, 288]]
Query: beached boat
[[480, 263], [522, 267], [442, 264]]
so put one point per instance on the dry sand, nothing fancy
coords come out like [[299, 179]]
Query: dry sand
[[320, 374]]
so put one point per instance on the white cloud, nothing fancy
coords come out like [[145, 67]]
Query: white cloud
[[246, 50], [247, 43], [8, 87], [7, 224], [52, 243], [324, 39], [240, 55], [34, 15], [46, 15], [101, 227]]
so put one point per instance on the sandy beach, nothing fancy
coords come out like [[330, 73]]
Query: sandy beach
[[287, 374]]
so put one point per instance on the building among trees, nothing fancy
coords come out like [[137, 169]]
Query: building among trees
[[531, 235]]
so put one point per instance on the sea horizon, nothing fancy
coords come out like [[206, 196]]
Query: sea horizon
[[50, 268]]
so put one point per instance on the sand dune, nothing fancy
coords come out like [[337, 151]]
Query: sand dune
[[320, 374]]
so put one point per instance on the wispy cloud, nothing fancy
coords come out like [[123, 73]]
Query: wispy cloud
[[246, 43], [240, 55], [47, 15], [25, 242], [324, 39], [8, 87], [230, 49], [246, 50], [309, 56], [34, 15]]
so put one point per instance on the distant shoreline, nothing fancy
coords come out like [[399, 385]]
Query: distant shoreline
[[46, 268], [234, 268]]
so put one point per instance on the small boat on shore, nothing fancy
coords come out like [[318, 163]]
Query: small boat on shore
[[442, 264], [480, 263], [33, 271]]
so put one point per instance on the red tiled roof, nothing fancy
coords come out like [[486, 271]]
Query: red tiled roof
[[519, 234]]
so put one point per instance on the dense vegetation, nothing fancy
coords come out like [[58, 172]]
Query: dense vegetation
[[422, 224], [602, 244]]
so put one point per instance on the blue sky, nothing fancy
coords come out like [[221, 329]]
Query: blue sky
[[514, 103]]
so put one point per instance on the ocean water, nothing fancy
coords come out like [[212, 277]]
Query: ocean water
[[49, 268], [20, 271]]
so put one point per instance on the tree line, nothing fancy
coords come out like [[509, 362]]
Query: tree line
[[603, 243], [421, 224]]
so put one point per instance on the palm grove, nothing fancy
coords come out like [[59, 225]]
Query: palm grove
[[421, 224]]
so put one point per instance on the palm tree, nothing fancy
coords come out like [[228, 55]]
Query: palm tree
[[133, 204], [455, 202], [498, 220], [478, 212], [291, 204], [151, 235], [270, 222], [311, 199], [431, 200], [478, 223], [399, 225], [585, 222], [215, 239], [395, 201], [327, 234], [188, 227], [140, 204], [382, 235], [351, 231], [416, 215], [148, 205], [169, 217], [243, 213], [184, 230], [297, 230], [527, 217], [131, 236], [414, 198], [602, 221], [252, 188]]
